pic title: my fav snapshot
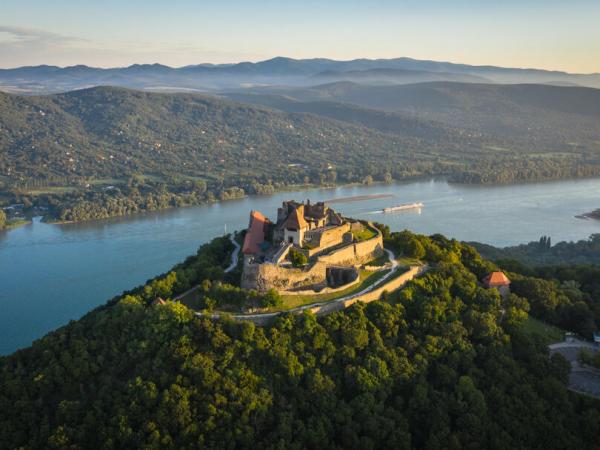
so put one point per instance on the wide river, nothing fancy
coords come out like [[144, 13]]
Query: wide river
[[50, 274]]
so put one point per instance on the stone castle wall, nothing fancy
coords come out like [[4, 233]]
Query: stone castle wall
[[373, 295], [263, 277], [323, 240]]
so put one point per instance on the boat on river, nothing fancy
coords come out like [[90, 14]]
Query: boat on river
[[390, 209]]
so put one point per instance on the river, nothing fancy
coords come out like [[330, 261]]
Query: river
[[50, 274]]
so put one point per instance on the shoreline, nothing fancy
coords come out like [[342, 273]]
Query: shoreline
[[291, 188], [592, 215]]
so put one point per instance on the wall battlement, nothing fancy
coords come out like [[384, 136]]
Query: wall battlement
[[265, 276]]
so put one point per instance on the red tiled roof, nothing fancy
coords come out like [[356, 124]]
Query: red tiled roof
[[495, 279], [256, 233]]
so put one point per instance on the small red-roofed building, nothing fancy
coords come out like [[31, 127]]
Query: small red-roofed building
[[498, 281], [158, 301]]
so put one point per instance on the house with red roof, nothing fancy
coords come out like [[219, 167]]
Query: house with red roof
[[497, 280]]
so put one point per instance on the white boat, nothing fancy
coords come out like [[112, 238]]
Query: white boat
[[418, 205]]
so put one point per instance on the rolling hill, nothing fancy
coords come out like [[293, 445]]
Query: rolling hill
[[108, 151], [111, 132], [540, 116]]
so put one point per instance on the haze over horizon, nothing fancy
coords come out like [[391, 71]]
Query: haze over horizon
[[548, 35]]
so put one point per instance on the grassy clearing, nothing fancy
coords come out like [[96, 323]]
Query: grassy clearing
[[52, 190], [106, 181], [364, 234], [379, 262], [403, 261], [549, 333], [366, 279]]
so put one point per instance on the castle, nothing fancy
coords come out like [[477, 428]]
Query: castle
[[334, 248]]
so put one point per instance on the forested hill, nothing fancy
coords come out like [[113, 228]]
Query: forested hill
[[107, 151], [536, 117], [544, 253], [442, 363], [111, 132]]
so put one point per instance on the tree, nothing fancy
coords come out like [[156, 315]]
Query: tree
[[409, 245], [2, 219], [271, 298], [298, 258]]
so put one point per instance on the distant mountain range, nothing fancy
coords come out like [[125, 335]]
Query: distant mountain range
[[276, 71]]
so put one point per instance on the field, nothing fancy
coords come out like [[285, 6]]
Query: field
[[549, 333], [366, 279]]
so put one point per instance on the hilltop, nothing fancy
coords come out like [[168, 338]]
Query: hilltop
[[443, 361]]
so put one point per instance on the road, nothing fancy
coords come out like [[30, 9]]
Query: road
[[230, 267], [582, 379], [234, 255]]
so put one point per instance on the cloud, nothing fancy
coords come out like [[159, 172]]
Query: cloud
[[21, 46], [28, 46], [23, 37]]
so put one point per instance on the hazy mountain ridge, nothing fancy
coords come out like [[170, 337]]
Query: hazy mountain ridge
[[396, 76], [280, 70]]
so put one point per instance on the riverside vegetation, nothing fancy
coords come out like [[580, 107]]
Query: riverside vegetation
[[104, 151], [440, 363]]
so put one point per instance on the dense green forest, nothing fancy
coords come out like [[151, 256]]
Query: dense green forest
[[104, 151], [442, 363], [565, 278], [543, 117]]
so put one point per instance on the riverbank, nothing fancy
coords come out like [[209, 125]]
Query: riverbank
[[49, 212], [45, 267], [16, 223]]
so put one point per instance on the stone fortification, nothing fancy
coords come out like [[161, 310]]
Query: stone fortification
[[265, 276], [320, 240]]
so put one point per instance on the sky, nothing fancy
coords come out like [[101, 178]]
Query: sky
[[546, 34]]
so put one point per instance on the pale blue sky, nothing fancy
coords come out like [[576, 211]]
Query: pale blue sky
[[550, 34]]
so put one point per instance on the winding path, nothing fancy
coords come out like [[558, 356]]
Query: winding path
[[234, 255], [230, 267], [583, 379]]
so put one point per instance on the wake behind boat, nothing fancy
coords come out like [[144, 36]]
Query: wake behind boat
[[390, 209]]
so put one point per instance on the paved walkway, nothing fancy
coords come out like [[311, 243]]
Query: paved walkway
[[583, 379], [234, 255]]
